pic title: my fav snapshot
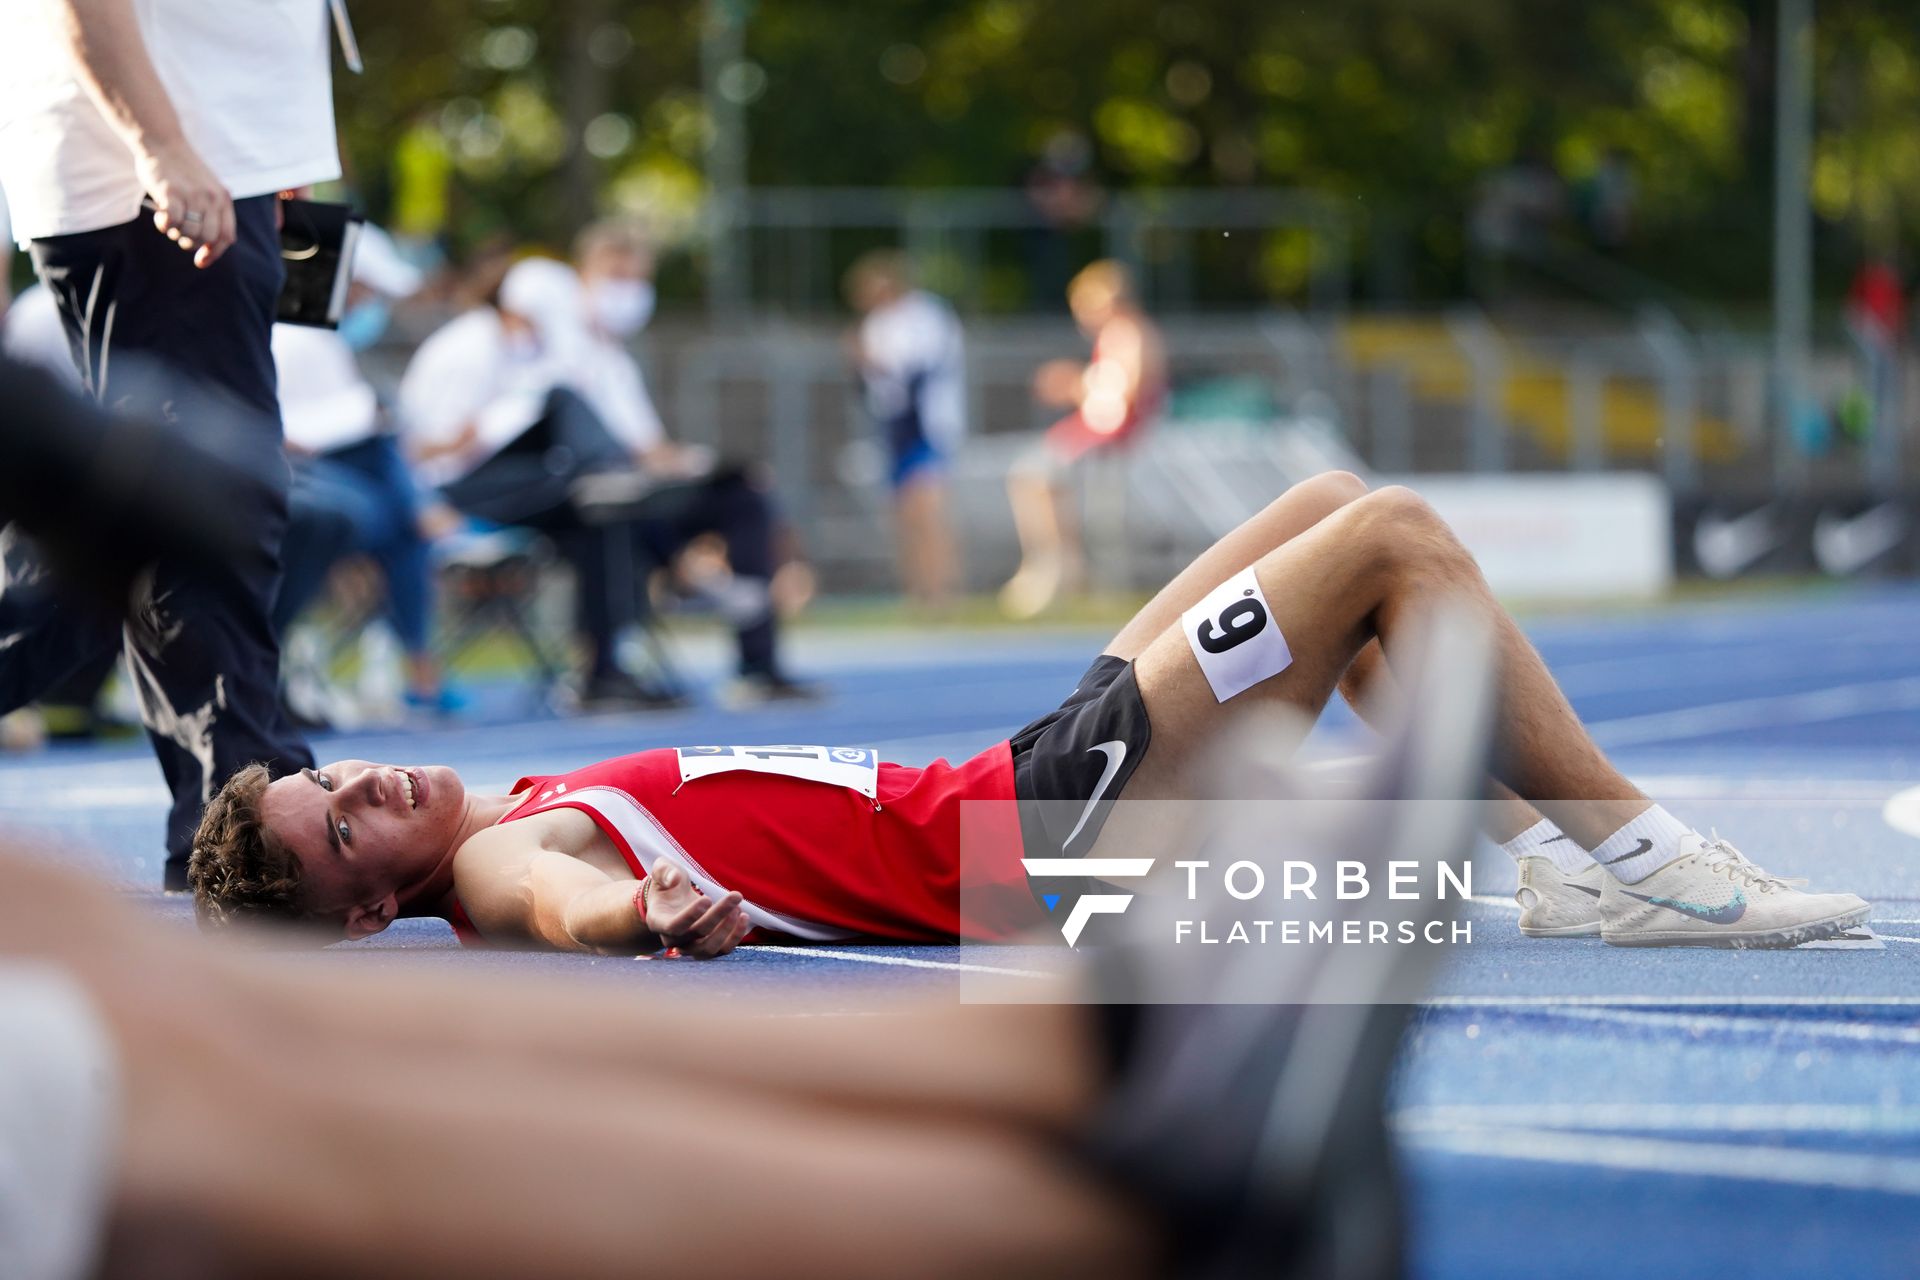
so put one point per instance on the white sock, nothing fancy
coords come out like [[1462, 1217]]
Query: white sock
[[1544, 840], [1643, 846]]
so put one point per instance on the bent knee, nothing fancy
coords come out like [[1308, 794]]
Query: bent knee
[[1406, 527], [1335, 488], [1397, 504], [1314, 499]]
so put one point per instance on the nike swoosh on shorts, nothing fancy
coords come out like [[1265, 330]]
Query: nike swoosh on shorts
[[1116, 753], [1725, 913]]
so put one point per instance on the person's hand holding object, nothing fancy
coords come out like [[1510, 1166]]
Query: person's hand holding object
[[189, 203]]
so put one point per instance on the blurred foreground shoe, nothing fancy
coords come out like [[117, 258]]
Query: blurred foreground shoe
[[1711, 896], [1249, 1109], [1554, 904]]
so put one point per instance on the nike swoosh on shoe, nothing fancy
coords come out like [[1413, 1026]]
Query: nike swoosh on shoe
[[1725, 913], [1584, 889]]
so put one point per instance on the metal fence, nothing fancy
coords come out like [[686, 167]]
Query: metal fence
[[992, 250]]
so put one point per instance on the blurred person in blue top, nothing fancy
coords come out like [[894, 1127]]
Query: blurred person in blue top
[[911, 357], [353, 491]]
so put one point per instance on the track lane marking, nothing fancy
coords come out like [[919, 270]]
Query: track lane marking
[[1672, 1002], [1836, 702], [1743, 1162], [1702, 1024], [909, 962], [1639, 1117]]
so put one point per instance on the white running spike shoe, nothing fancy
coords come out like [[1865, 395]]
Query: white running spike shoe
[[1556, 904], [1711, 896]]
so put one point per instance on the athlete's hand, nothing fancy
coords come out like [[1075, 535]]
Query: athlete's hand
[[686, 920], [190, 204]]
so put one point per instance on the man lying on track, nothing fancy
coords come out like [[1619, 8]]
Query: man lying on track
[[462, 1125], [700, 847]]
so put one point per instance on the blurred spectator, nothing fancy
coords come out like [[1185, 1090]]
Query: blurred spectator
[[1876, 319], [682, 495], [503, 408], [912, 362], [353, 493], [486, 416], [143, 149], [1607, 199], [1514, 211], [1062, 192], [1113, 398]]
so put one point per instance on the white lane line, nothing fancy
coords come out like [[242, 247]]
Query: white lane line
[[1894, 937], [1767, 790], [1748, 1001], [1657, 1117], [1703, 1025], [1736, 1161], [1812, 707], [1488, 900], [907, 962]]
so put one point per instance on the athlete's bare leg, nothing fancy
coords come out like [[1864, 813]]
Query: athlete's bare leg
[[1368, 571], [1287, 517], [331, 1123], [1365, 679]]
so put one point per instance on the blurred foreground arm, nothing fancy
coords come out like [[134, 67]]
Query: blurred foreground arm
[[304, 1123]]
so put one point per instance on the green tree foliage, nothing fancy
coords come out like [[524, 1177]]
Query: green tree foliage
[[530, 112]]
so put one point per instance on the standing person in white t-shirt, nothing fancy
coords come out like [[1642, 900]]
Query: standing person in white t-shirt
[[141, 147], [912, 361]]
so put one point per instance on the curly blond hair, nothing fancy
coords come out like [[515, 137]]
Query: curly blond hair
[[240, 871]]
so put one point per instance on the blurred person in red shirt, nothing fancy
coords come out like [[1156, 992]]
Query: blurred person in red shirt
[[1113, 397]]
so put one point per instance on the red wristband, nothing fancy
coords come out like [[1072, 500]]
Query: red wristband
[[640, 902]]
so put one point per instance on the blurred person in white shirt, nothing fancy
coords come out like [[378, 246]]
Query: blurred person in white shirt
[[911, 357], [353, 490]]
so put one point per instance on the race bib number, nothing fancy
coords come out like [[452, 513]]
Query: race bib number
[[1235, 636], [855, 767]]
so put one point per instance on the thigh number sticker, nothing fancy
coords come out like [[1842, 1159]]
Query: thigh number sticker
[[855, 767], [1235, 638]]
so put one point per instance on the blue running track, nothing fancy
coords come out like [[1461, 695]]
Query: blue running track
[[1565, 1108]]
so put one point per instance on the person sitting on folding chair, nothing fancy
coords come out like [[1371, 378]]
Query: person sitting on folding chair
[[496, 414]]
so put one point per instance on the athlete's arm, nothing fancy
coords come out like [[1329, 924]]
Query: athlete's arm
[[547, 897], [580, 907]]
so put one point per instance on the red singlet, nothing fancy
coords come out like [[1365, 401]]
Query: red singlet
[[815, 860]]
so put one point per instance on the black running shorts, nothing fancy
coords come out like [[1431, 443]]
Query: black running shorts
[[1072, 763]]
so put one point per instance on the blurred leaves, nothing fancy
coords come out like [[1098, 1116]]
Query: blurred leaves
[[480, 116]]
